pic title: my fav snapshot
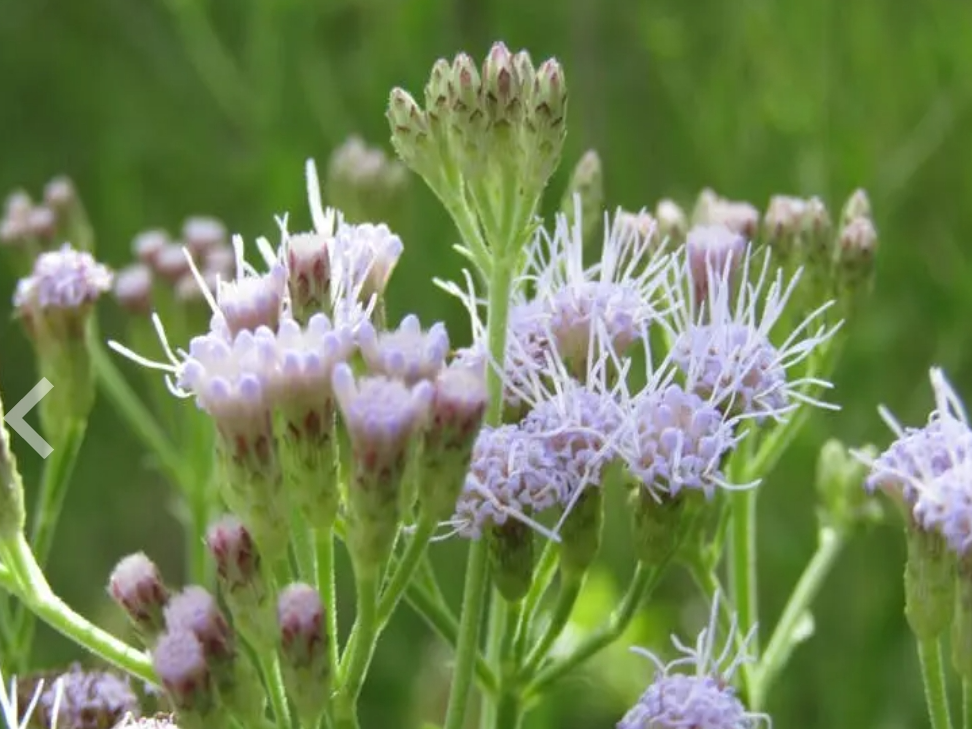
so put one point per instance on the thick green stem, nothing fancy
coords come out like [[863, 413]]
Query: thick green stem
[[742, 572], [405, 569], [785, 635], [444, 623], [500, 288], [569, 590], [933, 676], [23, 578], [325, 587], [644, 580], [354, 667]]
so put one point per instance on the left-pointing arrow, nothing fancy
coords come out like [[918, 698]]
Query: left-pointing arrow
[[15, 418]]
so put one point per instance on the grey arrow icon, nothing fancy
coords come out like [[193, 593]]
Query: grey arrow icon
[[15, 418]]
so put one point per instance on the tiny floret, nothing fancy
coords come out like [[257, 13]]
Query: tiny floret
[[407, 353]]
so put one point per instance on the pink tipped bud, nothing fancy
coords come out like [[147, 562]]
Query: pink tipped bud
[[147, 245], [220, 260], [189, 289], [236, 556], [714, 253], [304, 650], [170, 263], [180, 662], [195, 610], [309, 270], [672, 223], [59, 194], [133, 289], [42, 222], [202, 234], [137, 586]]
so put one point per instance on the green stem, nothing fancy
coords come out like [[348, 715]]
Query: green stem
[[444, 623], [55, 482], [405, 569], [270, 667], [139, 418], [966, 704], [197, 556], [23, 578], [305, 551], [784, 638], [569, 590], [509, 714], [643, 582], [355, 665], [325, 586], [546, 567], [742, 572], [474, 592], [500, 612], [933, 676]]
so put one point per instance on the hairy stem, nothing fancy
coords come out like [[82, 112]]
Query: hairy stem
[[933, 676]]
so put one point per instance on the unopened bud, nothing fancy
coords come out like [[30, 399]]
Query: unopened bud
[[133, 289], [659, 526], [411, 135], [714, 254], [220, 260], [195, 610], [180, 662], [672, 223], [502, 88], [56, 303], [740, 217], [304, 650], [309, 271], [584, 196], [147, 245], [455, 416], [60, 195], [137, 587], [840, 481], [170, 263], [42, 223], [548, 119], [858, 205], [782, 226], [12, 513], [201, 234]]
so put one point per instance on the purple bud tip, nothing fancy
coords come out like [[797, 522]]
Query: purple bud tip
[[170, 262], [300, 615], [203, 233], [133, 288], [59, 193], [147, 245], [180, 662], [195, 610], [233, 550], [136, 585]]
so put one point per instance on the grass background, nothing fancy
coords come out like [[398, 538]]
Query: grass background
[[164, 108]]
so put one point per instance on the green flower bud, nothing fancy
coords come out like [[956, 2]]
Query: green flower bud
[[512, 556], [12, 514], [858, 205], [929, 582], [502, 88], [548, 120], [363, 183], [584, 196], [740, 217], [580, 535], [412, 136], [840, 479], [304, 651], [854, 257]]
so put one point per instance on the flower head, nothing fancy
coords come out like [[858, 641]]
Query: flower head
[[252, 299], [725, 348], [700, 699], [60, 292], [180, 663], [407, 353], [513, 475], [83, 699]]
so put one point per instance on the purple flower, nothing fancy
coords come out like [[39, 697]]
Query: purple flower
[[676, 440], [701, 698], [82, 699], [407, 353], [137, 587], [180, 662], [513, 475]]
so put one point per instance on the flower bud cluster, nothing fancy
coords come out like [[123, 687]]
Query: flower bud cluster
[[35, 226]]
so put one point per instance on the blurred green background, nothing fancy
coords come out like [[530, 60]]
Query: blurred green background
[[161, 109]]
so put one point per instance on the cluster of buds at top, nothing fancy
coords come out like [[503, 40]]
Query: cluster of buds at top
[[363, 182], [492, 135], [33, 227]]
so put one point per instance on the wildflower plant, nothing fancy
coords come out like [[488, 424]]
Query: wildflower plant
[[666, 357]]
